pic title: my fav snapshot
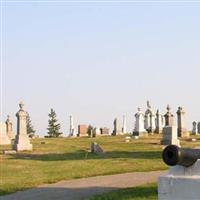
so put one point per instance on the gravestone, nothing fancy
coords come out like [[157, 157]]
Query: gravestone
[[104, 131], [124, 131], [198, 127], [180, 183], [182, 131], [95, 148], [97, 131], [149, 123], [9, 128], [71, 127], [169, 117], [159, 123], [194, 128], [82, 130], [170, 130], [117, 129], [22, 141], [139, 124], [4, 139]]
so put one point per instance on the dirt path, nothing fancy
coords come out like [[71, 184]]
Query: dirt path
[[86, 187]]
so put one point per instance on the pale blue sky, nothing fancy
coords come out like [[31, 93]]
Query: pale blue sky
[[100, 61]]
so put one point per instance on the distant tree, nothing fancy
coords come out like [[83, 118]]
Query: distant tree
[[29, 126], [53, 126]]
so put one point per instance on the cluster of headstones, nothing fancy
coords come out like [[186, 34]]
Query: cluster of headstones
[[151, 122], [195, 128], [21, 141]]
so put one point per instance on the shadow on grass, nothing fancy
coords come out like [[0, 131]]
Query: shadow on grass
[[89, 193], [83, 155]]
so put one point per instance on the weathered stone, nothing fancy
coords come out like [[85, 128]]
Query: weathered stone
[[149, 123], [169, 117], [194, 128], [198, 127], [8, 152], [104, 131], [9, 128], [95, 148], [139, 124], [170, 136], [117, 128], [71, 127], [124, 131], [22, 141], [182, 131], [159, 123], [4, 139], [181, 183], [97, 131], [82, 130]]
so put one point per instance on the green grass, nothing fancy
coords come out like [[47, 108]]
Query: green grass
[[64, 158], [145, 192]]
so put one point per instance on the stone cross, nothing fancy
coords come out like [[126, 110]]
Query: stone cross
[[22, 141]]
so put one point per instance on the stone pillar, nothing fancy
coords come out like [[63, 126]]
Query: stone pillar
[[139, 124], [117, 129], [22, 141], [4, 139], [9, 128], [149, 123], [198, 127], [180, 183], [71, 127], [159, 122], [124, 125], [194, 128], [182, 131], [170, 130]]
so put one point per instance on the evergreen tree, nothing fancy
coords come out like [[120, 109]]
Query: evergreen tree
[[53, 127], [29, 126]]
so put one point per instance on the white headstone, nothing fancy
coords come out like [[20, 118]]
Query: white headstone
[[139, 124]]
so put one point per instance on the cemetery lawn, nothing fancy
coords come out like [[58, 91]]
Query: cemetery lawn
[[55, 159], [144, 192]]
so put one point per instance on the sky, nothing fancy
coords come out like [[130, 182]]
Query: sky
[[99, 60]]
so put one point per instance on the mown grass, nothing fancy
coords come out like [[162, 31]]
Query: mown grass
[[58, 159], [145, 192]]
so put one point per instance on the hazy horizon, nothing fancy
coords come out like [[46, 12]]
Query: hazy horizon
[[98, 62]]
